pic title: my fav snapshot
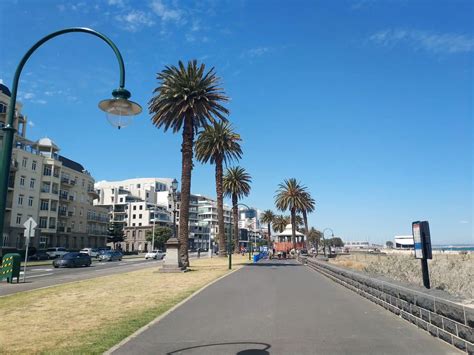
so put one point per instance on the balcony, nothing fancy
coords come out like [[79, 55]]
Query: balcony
[[63, 196], [62, 213], [94, 194], [70, 214], [14, 165]]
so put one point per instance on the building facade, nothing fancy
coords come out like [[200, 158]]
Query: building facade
[[55, 191]]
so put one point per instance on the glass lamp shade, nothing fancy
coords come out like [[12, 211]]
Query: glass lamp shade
[[174, 185], [120, 111]]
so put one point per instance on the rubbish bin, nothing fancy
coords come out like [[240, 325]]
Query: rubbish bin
[[11, 267]]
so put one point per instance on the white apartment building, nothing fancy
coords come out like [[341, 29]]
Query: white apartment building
[[207, 217], [55, 191]]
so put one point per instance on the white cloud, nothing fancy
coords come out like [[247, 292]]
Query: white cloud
[[166, 13], [135, 20], [464, 222], [256, 52], [31, 123], [39, 101], [429, 41], [1, 81], [119, 3], [28, 96]]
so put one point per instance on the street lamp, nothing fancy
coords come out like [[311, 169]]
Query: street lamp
[[118, 109], [174, 188], [324, 240]]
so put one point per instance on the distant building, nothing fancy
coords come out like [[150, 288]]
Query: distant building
[[403, 242], [361, 245], [55, 191]]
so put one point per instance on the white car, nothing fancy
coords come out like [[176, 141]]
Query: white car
[[56, 252], [155, 254], [92, 252]]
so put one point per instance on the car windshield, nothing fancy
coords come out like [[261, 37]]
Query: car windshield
[[70, 256]]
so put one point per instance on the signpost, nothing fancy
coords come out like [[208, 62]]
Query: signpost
[[422, 245], [30, 226]]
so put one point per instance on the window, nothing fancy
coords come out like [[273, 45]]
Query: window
[[22, 180], [45, 187], [43, 241], [139, 224], [121, 199], [30, 201], [133, 225], [18, 218], [54, 205], [138, 186], [20, 199], [33, 165], [134, 216], [139, 216], [112, 199], [141, 207], [43, 222], [32, 183], [52, 223], [134, 208], [44, 206], [24, 162], [47, 170]]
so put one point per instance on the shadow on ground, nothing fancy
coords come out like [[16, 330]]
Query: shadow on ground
[[275, 263], [249, 348]]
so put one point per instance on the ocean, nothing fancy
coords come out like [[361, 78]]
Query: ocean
[[453, 247]]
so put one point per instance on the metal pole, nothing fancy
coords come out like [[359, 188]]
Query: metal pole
[[26, 255], [153, 232], [6, 154], [229, 247], [425, 272]]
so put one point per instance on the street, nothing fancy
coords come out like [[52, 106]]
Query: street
[[281, 307]]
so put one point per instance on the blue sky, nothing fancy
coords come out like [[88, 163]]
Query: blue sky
[[367, 103]]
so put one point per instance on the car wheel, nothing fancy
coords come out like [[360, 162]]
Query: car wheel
[[55, 266]]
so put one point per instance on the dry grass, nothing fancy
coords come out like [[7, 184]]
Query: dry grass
[[92, 315]]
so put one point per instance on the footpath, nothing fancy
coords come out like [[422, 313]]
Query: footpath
[[281, 307]]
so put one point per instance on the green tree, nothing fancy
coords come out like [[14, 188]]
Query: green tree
[[162, 234], [187, 99], [389, 244], [314, 237], [218, 144], [280, 222], [115, 233], [335, 242], [267, 218], [236, 185], [291, 196], [308, 206]]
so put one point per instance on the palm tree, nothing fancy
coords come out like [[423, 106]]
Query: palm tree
[[308, 207], [187, 98], [314, 237], [219, 144], [236, 185], [280, 222], [268, 217], [291, 196]]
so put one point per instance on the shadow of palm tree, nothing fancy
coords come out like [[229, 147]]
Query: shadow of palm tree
[[249, 345]]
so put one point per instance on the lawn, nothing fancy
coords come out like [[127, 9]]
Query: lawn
[[91, 316]]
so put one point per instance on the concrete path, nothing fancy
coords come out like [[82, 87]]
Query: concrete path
[[281, 307]]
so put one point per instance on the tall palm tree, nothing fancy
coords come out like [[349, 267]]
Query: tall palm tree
[[309, 205], [280, 222], [290, 196], [187, 98], [219, 144], [236, 185], [267, 217]]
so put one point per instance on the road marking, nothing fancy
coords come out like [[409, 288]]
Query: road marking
[[40, 269], [30, 277]]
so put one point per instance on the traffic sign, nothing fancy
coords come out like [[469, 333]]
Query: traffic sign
[[30, 226]]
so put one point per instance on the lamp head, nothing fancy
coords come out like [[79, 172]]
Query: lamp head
[[120, 110], [174, 185]]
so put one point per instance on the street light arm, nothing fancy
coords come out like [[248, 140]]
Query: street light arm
[[16, 78]]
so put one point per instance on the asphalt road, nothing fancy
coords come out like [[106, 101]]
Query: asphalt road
[[281, 307]]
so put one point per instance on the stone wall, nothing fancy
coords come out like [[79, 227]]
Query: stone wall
[[441, 317]]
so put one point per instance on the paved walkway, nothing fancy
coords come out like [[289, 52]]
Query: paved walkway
[[282, 307]]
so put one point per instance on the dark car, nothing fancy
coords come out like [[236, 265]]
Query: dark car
[[73, 260], [111, 255], [40, 255]]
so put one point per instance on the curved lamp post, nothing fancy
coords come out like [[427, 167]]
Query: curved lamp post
[[118, 109], [324, 239]]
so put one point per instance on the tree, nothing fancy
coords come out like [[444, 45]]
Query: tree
[[280, 222], [298, 222], [236, 185], [187, 99], [335, 242], [389, 244], [268, 217], [162, 234], [219, 144], [291, 196], [115, 233], [308, 206], [314, 237]]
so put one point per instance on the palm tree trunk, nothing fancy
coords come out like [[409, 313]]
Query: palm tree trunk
[[187, 166], [293, 227], [305, 219], [269, 236], [235, 217], [220, 208]]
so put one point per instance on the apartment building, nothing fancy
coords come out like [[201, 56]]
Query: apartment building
[[55, 191], [133, 203], [207, 217]]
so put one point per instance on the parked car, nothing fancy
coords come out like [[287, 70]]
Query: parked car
[[155, 254], [56, 252], [92, 252], [111, 255], [73, 260], [39, 255]]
